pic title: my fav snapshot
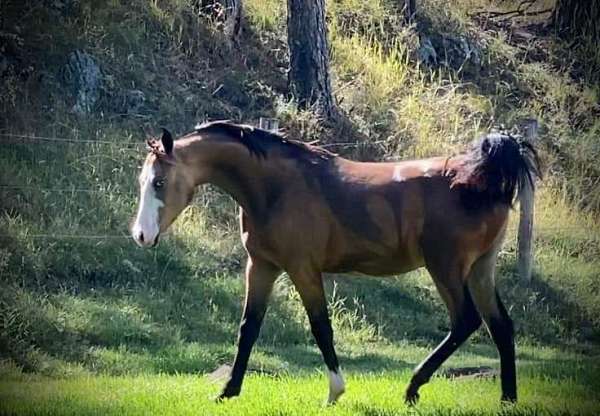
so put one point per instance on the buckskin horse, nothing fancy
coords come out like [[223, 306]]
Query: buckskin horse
[[306, 211]]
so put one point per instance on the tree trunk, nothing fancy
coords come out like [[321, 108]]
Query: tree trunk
[[228, 12], [309, 56], [410, 8], [572, 18], [233, 19]]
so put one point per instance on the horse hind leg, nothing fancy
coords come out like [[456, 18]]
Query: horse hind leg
[[464, 320], [483, 289]]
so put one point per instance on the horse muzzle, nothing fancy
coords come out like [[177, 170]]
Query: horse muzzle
[[145, 240]]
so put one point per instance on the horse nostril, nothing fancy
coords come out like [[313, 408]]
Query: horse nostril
[[141, 237]]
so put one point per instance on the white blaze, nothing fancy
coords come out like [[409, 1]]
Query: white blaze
[[397, 176], [146, 221], [336, 386]]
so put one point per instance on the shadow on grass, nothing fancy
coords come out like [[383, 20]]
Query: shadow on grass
[[304, 358], [543, 313]]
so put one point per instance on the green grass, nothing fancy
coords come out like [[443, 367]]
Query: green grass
[[550, 381]]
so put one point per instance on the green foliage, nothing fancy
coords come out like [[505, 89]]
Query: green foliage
[[551, 383]]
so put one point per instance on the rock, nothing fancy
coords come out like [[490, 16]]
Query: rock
[[83, 78], [449, 50], [220, 374], [11, 53], [3, 64], [426, 52], [134, 101], [61, 8], [461, 50]]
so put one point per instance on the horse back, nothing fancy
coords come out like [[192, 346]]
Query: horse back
[[373, 218]]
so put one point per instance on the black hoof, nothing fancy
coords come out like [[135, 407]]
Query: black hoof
[[508, 399], [226, 394], [412, 396]]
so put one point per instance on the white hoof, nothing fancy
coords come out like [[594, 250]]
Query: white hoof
[[336, 386]]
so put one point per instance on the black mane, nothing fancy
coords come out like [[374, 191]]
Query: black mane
[[259, 141]]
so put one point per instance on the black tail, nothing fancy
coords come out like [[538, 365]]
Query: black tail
[[496, 168]]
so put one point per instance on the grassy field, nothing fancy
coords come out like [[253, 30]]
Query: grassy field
[[551, 382], [91, 324]]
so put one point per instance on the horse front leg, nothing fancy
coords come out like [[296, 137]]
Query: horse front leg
[[310, 288], [260, 276]]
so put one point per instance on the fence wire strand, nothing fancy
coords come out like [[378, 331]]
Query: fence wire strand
[[68, 236], [537, 231], [58, 190], [25, 137], [33, 138]]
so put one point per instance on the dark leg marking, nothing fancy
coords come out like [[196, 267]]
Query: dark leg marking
[[248, 334], [466, 322], [320, 326], [310, 287], [259, 282], [502, 331]]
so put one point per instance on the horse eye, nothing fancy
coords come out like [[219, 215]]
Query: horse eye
[[158, 183]]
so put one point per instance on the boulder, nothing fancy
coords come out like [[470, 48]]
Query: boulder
[[134, 101], [449, 50], [83, 79]]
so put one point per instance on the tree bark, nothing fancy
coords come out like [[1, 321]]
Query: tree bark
[[572, 18], [233, 19], [309, 56], [410, 9], [229, 12]]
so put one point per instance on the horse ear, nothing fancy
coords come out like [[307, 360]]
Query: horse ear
[[167, 142]]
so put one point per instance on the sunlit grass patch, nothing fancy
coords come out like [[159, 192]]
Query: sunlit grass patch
[[376, 393], [265, 15]]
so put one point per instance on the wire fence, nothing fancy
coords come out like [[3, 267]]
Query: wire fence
[[31, 139], [587, 237], [57, 190], [70, 236]]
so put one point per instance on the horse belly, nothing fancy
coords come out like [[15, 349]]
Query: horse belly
[[385, 267], [378, 261]]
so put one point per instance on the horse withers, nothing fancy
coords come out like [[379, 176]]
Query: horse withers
[[305, 211]]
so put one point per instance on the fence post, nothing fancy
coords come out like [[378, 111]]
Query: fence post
[[271, 124], [526, 202]]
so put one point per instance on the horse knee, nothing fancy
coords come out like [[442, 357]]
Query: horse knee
[[502, 326]]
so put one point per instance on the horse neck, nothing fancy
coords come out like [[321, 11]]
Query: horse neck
[[232, 168]]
